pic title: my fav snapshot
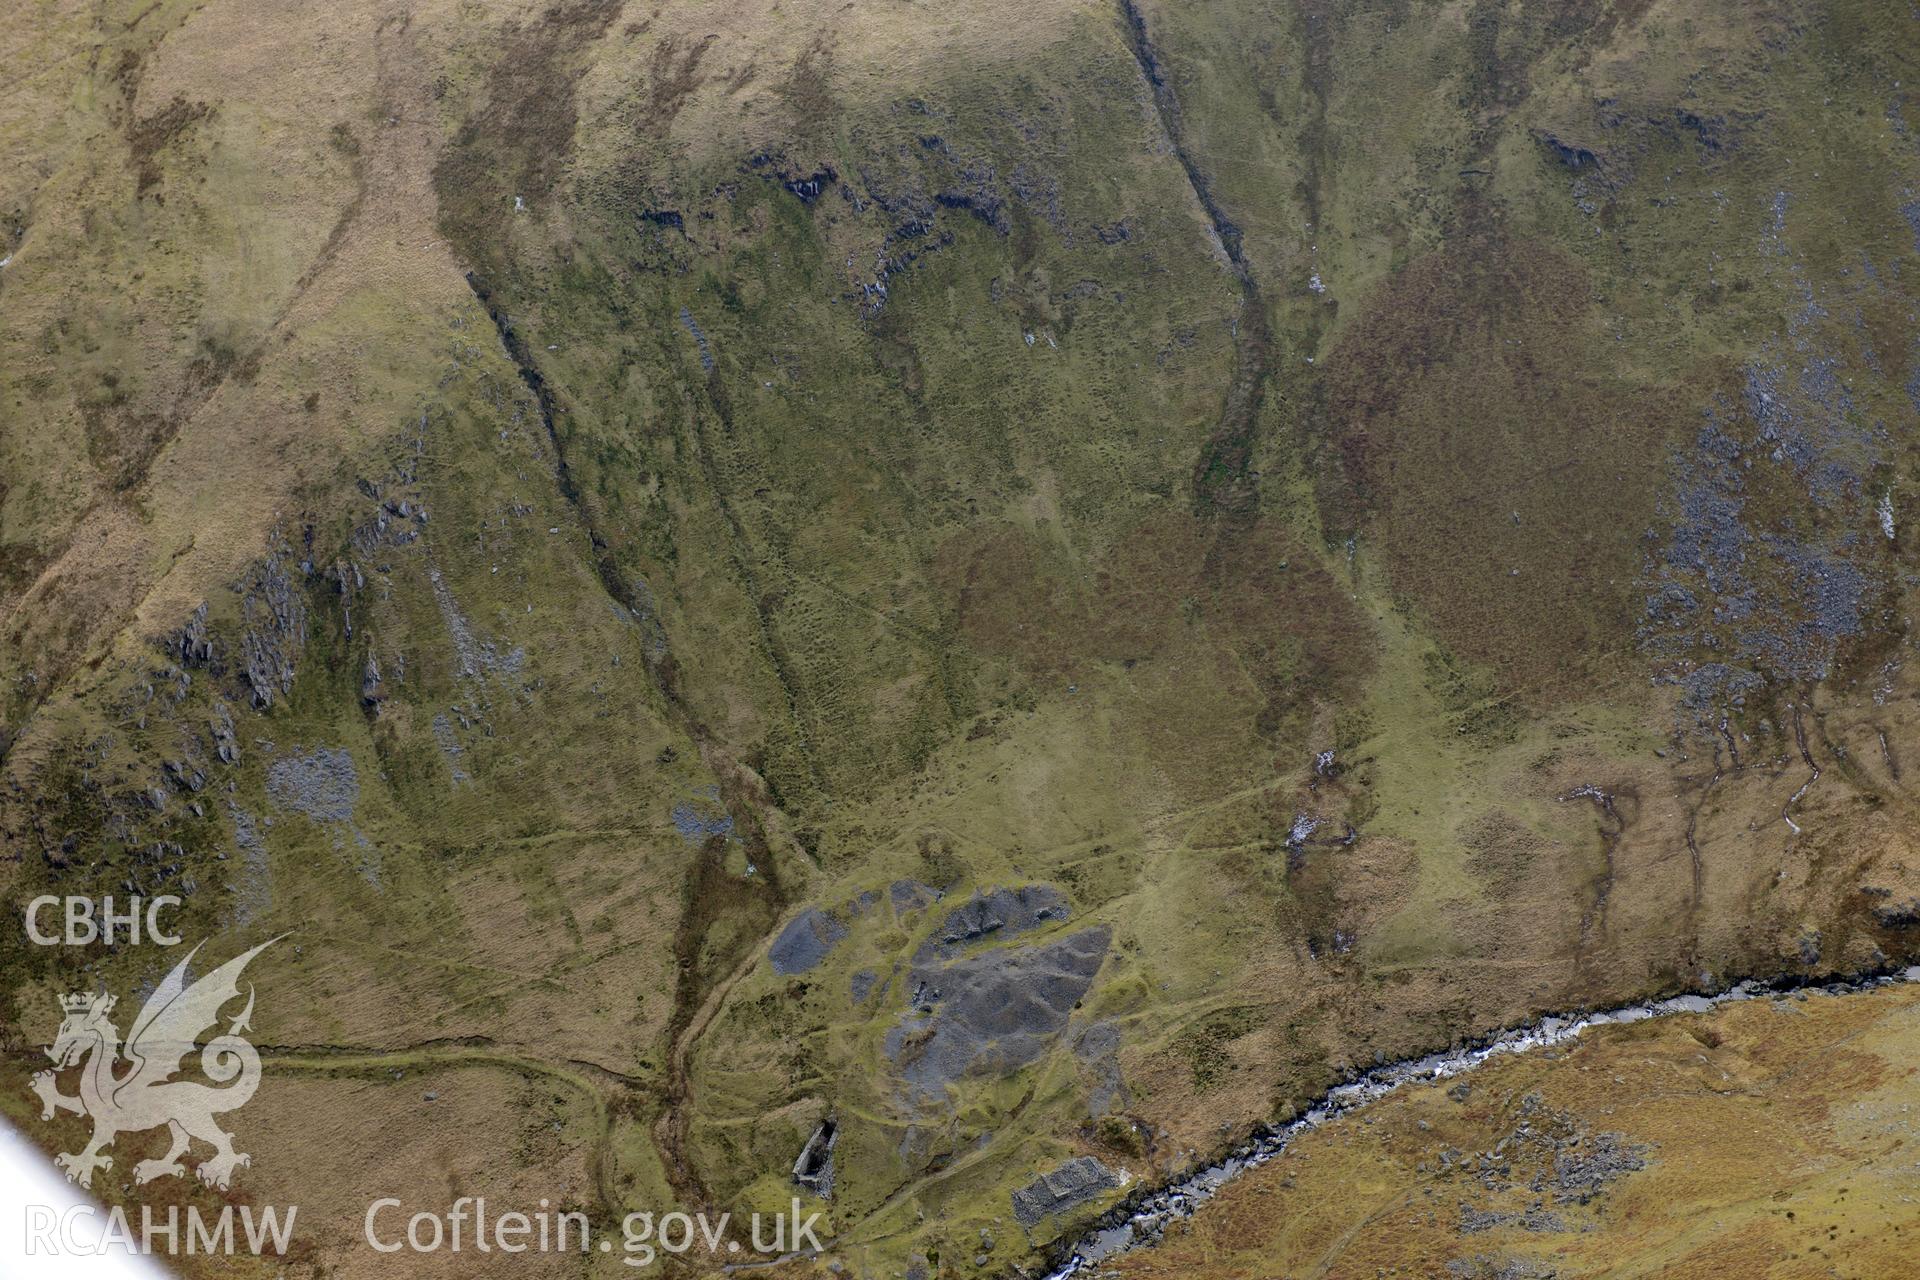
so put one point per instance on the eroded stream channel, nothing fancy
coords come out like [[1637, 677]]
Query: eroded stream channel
[[1143, 1220]]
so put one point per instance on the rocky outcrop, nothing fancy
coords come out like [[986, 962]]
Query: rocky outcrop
[[274, 613]]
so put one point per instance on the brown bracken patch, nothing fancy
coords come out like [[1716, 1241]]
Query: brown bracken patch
[[149, 136], [1507, 481]]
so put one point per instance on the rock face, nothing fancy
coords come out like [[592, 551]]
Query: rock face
[[1071, 1185], [373, 687], [1003, 911], [276, 631], [1899, 915]]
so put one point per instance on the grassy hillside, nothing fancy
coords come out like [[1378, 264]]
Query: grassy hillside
[[650, 540]]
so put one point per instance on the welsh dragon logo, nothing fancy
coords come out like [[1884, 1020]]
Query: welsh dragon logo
[[137, 1092]]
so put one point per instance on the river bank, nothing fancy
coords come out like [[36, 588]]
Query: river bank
[[1146, 1219]]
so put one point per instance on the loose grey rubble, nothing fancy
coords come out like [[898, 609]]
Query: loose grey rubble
[[909, 895], [1003, 911], [1537, 1219], [253, 893], [450, 747], [1484, 1266], [1580, 1175], [324, 785], [1098, 1048], [474, 657], [996, 1011], [1071, 1185], [699, 339], [701, 821], [807, 940]]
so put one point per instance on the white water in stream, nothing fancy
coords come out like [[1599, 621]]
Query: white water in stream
[[1141, 1222], [30, 1187]]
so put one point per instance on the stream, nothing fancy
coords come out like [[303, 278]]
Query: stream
[[1141, 1221]]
